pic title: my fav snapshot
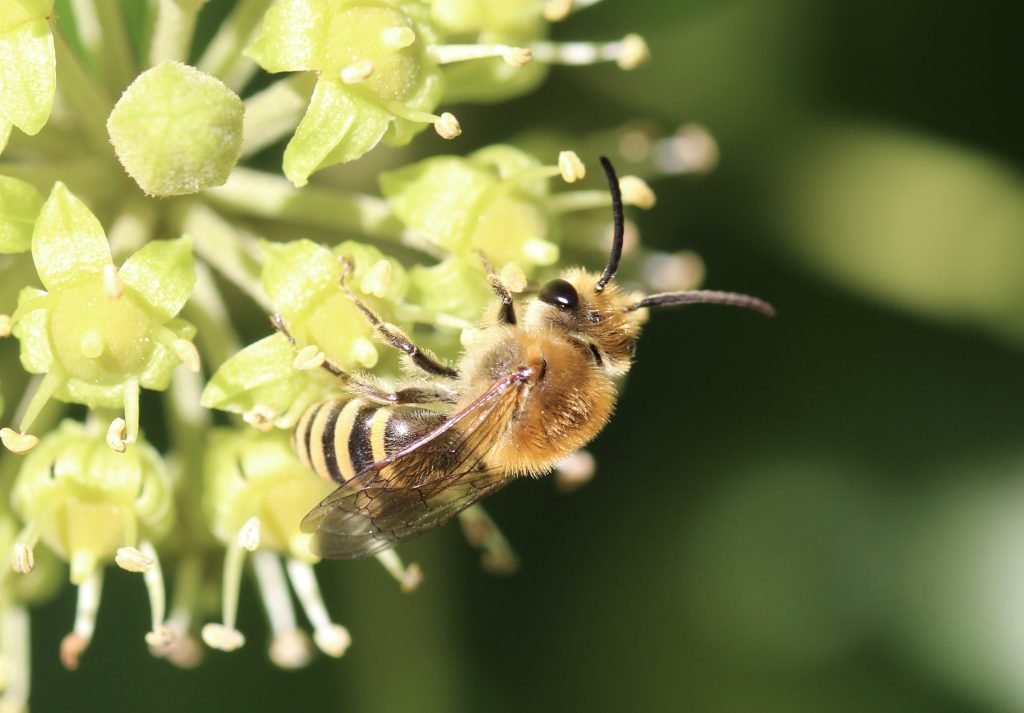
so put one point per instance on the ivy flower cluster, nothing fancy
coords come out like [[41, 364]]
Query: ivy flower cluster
[[130, 212]]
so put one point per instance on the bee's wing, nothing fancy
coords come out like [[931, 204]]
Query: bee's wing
[[408, 493]]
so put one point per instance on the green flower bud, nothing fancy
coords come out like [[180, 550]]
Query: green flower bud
[[375, 80], [493, 201], [85, 501], [20, 203], [28, 74], [177, 130], [100, 333]]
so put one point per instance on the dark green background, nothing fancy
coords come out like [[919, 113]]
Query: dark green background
[[823, 512]]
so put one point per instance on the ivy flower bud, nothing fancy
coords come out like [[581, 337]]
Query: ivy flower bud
[[256, 494], [88, 504], [100, 333], [28, 74], [177, 130]]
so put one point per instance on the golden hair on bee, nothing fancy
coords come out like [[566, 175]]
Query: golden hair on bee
[[538, 384]]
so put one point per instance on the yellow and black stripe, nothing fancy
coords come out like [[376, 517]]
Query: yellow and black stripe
[[339, 439]]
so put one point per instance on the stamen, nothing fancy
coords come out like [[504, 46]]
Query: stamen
[[92, 344], [74, 644], [555, 10], [357, 72], [49, 384], [289, 647], [629, 52], [446, 125], [160, 634], [571, 167], [226, 637], [482, 533], [363, 352], [575, 471], [113, 288], [636, 192], [673, 272], [691, 150], [540, 252], [17, 443], [309, 357], [333, 639], [447, 54], [408, 578], [16, 640], [249, 535], [132, 560], [187, 353], [397, 38], [6, 325]]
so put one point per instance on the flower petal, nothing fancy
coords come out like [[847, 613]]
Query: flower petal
[[68, 242], [161, 272], [28, 75], [296, 274], [291, 37], [20, 204], [339, 126]]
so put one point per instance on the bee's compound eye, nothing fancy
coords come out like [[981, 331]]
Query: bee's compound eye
[[561, 294]]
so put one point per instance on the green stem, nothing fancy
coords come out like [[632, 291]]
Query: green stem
[[572, 201], [226, 249], [89, 105], [215, 335], [173, 29], [264, 195], [223, 57], [105, 39], [273, 113]]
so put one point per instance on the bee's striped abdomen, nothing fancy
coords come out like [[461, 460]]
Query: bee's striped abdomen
[[341, 438]]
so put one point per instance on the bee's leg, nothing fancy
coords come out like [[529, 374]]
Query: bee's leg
[[507, 313], [408, 578], [393, 336], [428, 394], [482, 533]]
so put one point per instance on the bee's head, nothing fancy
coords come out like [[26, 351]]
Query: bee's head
[[590, 307]]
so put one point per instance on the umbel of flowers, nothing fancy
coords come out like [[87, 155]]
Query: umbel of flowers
[[126, 207]]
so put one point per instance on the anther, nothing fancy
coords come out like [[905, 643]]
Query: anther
[[249, 535], [72, 647], [290, 649], [636, 192], [517, 56], [513, 277], [187, 353], [377, 279], [571, 167], [397, 38], [540, 252], [117, 434], [447, 126], [222, 638], [260, 417], [633, 52], [357, 72], [575, 471], [309, 357], [6, 325], [132, 560], [17, 443], [332, 639], [23, 559], [161, 637], [691, 150], [113, 288], [556, 10], [363, 352]]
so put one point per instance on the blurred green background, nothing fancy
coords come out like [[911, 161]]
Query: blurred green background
[[819, 512]]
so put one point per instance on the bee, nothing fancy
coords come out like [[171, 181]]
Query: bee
[[539, 384]]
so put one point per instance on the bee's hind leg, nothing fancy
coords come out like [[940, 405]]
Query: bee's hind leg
[[507, 312], [393, 336], [482, 533]]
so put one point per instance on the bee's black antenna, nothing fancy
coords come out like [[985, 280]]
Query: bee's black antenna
[[620, 226], [712, 297]]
